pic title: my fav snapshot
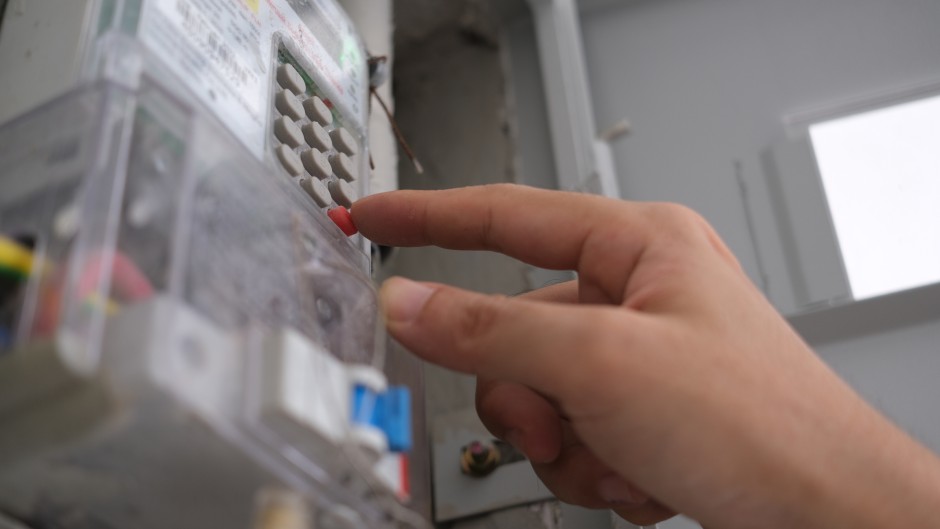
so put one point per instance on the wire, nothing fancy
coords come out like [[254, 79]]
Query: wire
[[398, 134], [15, 259], [127, 280]]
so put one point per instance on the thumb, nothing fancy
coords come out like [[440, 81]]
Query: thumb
[[556, 349]]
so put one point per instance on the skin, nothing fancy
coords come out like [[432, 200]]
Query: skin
[[661, 381]]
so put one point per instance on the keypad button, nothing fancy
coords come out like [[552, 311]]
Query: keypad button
[[317, 137], [289, 78], [289, 160], [343, 166], [317, 191], [344, 141], [316, 163], [343, 193], [318, 111], [288, 105], [342, 217], [289, 133]]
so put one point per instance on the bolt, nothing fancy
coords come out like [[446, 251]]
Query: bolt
[[479, 458]]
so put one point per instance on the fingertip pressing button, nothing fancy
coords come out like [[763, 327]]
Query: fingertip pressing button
[[316, 163], [343, 218], [288, 132], [288, 77], [317, 136], [289, 160], [343, 193], [343, 166], [317, 191], [288, 105], [318, 111], [344, 141]]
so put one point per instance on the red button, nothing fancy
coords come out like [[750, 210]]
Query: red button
[[343, 218]]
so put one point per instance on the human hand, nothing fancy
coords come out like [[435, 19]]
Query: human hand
[[533, 424], [672, 372]]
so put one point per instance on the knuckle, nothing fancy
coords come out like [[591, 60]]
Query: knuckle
[[682, 215], [682, 223], [475, 322]]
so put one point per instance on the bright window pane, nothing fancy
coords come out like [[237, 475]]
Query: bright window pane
[[881, 173]]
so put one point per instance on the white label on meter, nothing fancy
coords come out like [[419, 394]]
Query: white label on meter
[[214, 48], [222, 50]]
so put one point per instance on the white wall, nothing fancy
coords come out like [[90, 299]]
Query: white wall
[[707, 85]]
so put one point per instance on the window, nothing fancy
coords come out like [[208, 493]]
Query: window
[[881, 174]]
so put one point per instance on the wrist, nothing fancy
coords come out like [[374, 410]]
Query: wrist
[[866, 472]]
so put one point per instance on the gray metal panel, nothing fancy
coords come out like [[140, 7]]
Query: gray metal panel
[[457, 495], [581, 164]]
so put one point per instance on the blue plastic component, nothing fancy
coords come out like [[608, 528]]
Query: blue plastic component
[[364, 406], [389, 412], [397, 418]]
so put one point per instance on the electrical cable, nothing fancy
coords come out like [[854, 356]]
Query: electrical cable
[[398, 134], [15, 259]]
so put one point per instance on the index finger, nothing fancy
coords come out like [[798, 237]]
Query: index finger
[[549, 229]]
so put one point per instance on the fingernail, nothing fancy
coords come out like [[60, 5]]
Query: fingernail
[[616, 491], [402, 299]]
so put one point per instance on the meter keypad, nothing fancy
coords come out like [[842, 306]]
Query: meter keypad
[[344, 141], [316, 164], [289, 78], [318, 111], [290, 160], [317, 191], [317, 137], [288, 132], [343, 167], [312, 141], [343, 193], [288, 105]]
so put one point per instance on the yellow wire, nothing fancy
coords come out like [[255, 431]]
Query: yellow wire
[[15, 257]]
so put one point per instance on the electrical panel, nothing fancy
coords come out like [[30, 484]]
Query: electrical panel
[[187, 339]]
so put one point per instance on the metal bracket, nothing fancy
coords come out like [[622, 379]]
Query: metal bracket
[[583, 160]]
